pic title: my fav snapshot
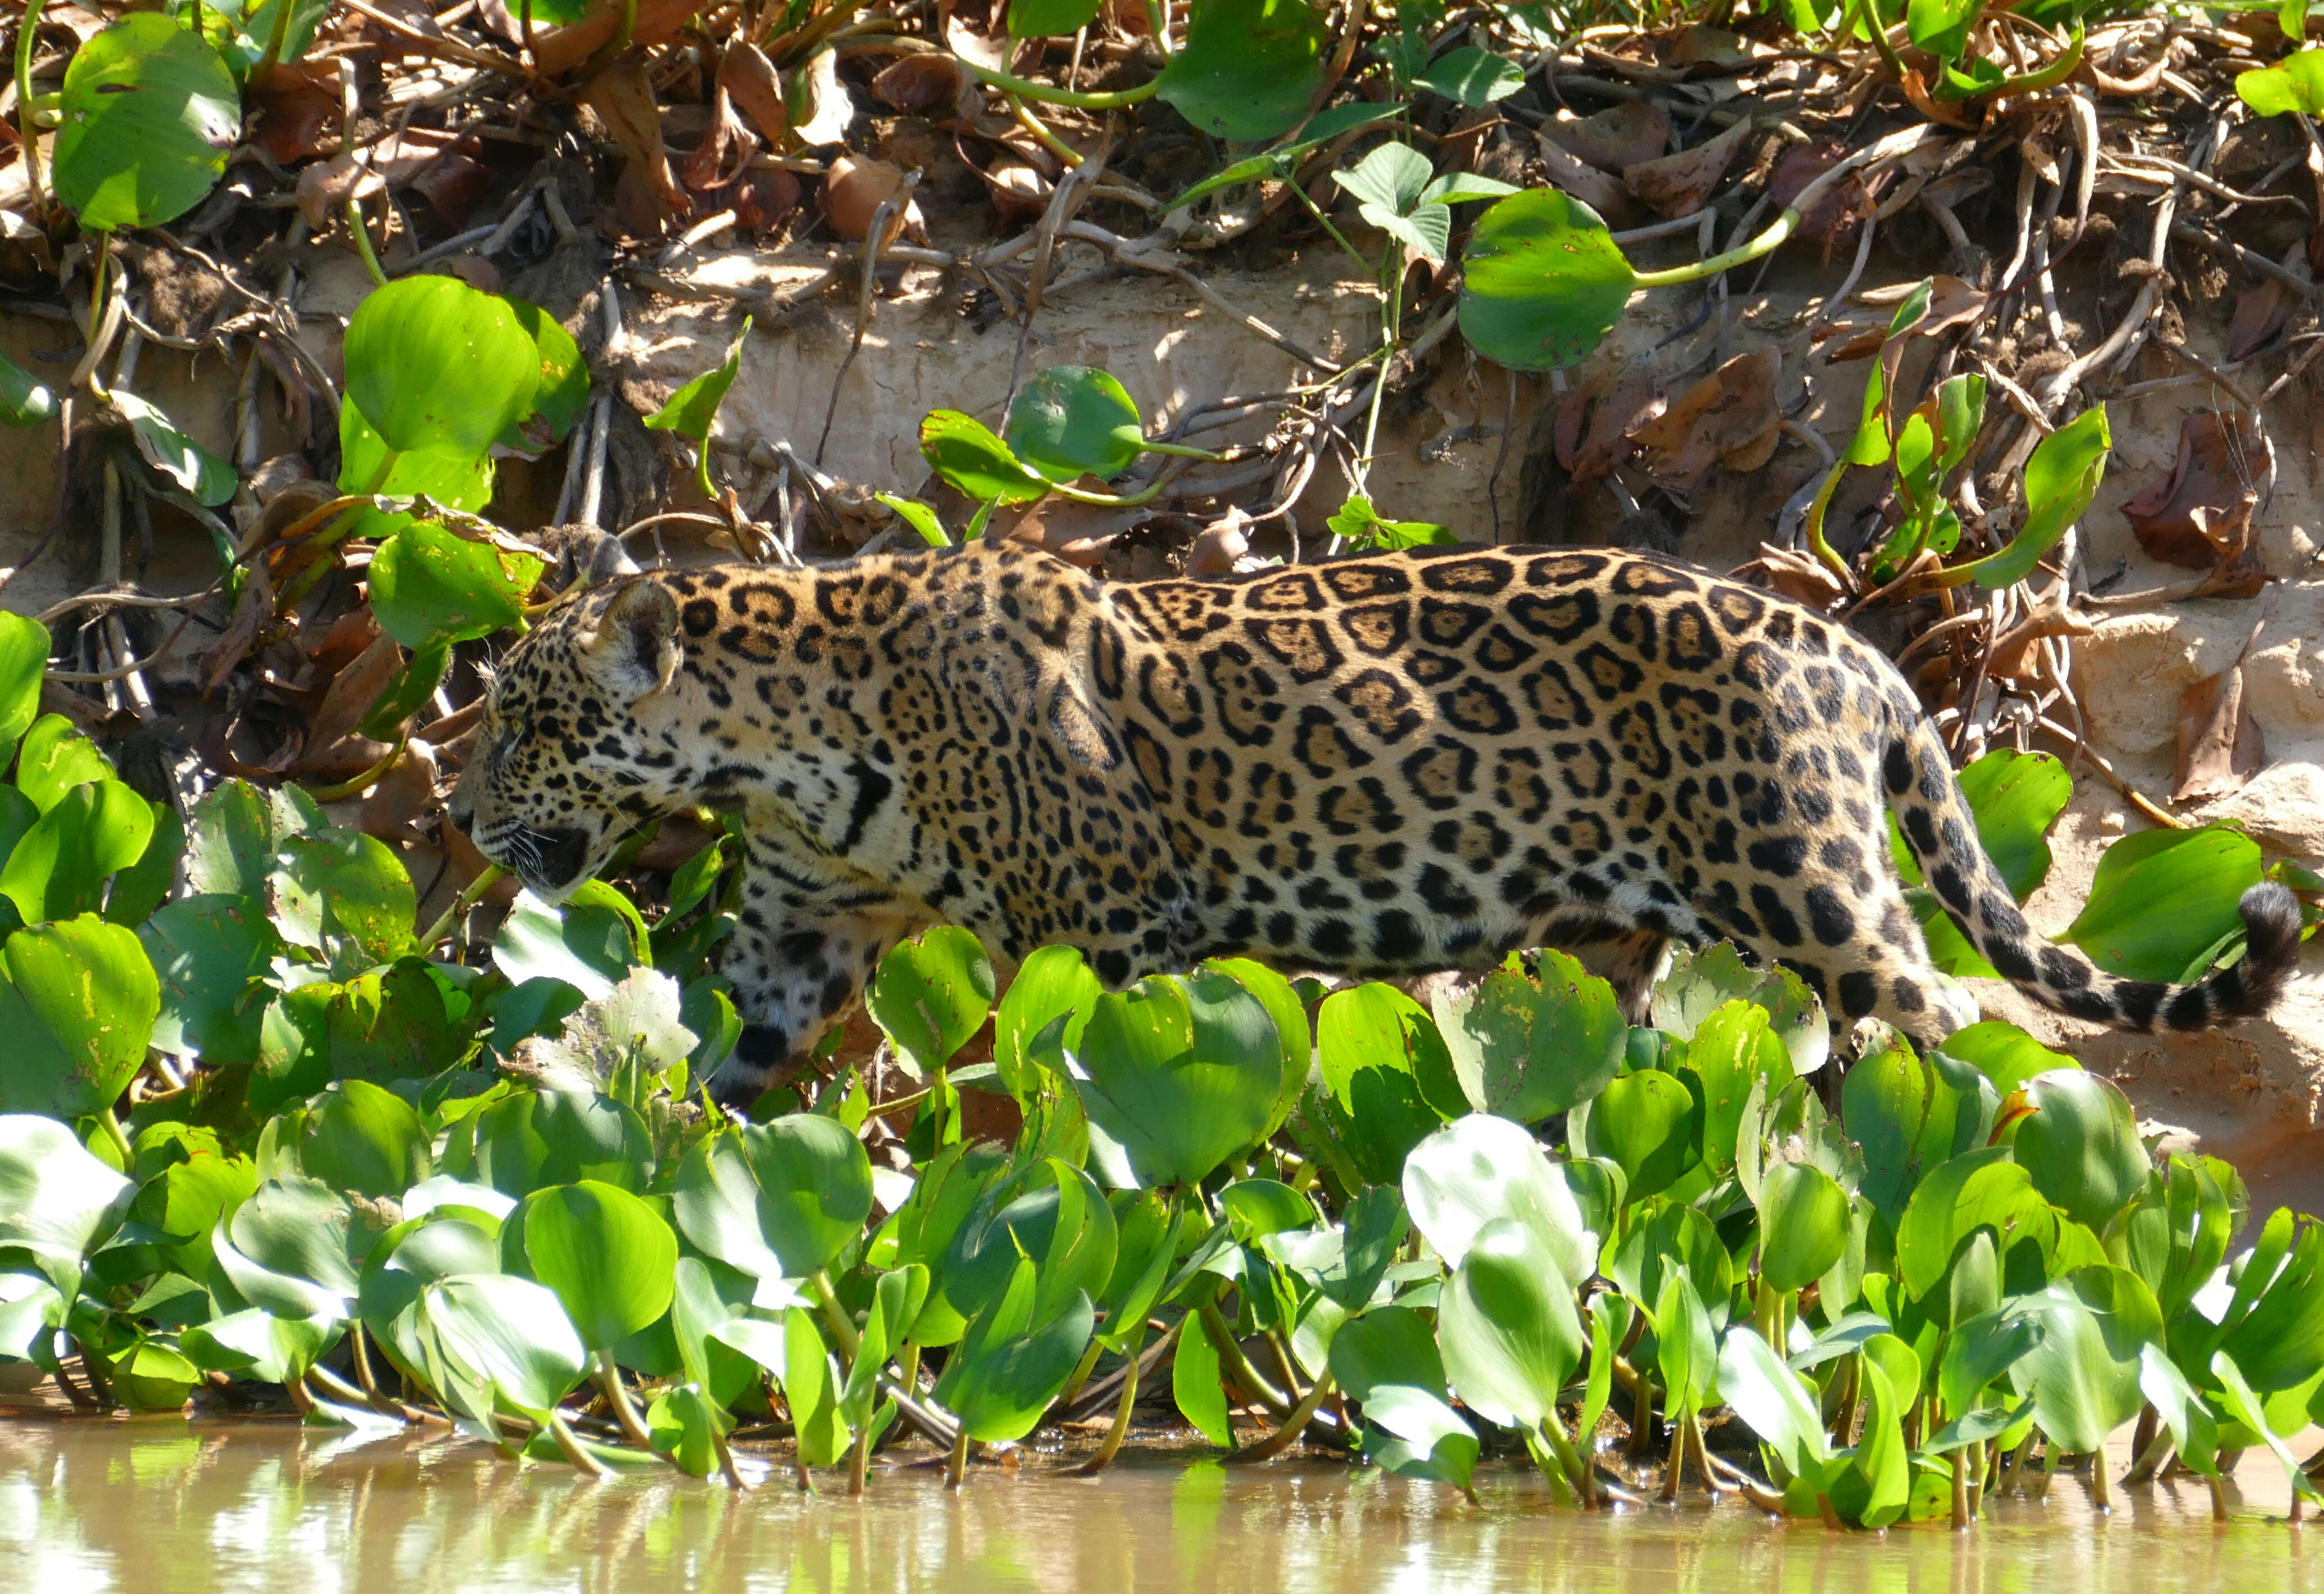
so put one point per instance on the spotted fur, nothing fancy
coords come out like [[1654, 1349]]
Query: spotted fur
[[1379, 767]]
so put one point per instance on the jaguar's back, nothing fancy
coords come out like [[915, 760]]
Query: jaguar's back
[[1385, 765]]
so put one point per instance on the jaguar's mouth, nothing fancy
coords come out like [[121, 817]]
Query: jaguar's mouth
[[549, 862]]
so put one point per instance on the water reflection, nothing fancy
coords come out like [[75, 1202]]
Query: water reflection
[[95, 1506]]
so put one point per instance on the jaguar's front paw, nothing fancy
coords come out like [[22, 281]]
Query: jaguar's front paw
[[761, 1060]]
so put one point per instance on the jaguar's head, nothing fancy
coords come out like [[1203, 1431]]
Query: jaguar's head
[[568, 756]]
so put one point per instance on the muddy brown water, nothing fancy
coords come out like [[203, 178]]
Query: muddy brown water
[[177, 1509]]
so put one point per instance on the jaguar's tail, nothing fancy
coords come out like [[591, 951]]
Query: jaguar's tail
[[1942, 834]]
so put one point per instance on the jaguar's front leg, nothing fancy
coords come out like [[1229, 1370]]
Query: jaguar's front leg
[[794, 974]]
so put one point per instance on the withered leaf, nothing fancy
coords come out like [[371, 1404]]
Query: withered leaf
[[1629, 134], [622, 96], [748, 78], [2201, 515], [2260, 314], [1729, 417], [2220, 747], [1678, 185], [1575, 176], [1592, 431]]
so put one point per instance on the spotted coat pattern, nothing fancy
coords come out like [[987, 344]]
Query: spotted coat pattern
[[1380, 766]]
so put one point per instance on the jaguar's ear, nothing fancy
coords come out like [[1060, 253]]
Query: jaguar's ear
[[633, 651]]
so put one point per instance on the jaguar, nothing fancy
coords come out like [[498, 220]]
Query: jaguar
[[1381, 766]]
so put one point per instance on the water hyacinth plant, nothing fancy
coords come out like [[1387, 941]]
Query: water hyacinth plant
[[408, 1187]]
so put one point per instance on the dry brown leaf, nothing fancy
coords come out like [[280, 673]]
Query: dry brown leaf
[[761, 197], [1840, 208], [1799, 576], [1729, 417], [1678, 185], [2016, 654], [622, 96], [351, 694], [926, 86], [2260, 314], [1592, 432], [393, 809], [2220, 747], [1629, 134], [746, 75], [2201, 514], [726, 142], [854, 190], [291, 106], [350, 635], [1571, 175], [1702, 45]]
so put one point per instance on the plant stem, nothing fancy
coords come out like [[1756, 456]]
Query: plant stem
[[274, 40], [369, 778], [575, 1450], [1577, 1471], [27, 131], [1080, 1375], [1281, 1439], [1118, 100], [468, 897], [1041, 130], [363, 243], [1111, 1444], [858, 1460], [625, 1411], [1959, 1461], [843, 1327], [956, 1464], [113, 1132], [2101, 1487], [1158, 17], [1231, 1354]]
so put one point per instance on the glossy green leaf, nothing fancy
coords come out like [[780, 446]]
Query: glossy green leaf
[[2162, 898], [1703, 980], [691, 411], [1176, 1075], [2245, 1405], [261, 1345], [964, 451], [25, 401], [447, 476], [1733, 1051], [1982, 1348], [562, 389], [148, 115], [1663, 1239], [919, 517], [811, 1387], [432, 364], [1472, 77], [57, 1201], [1072, 421], [1478, 1168], [59, 868], [1525, 1050], [430, 585], [777, 1200], [588, 941], [2084, 1376], [509, 1334], [2060, 479], [77, 1006], [2080, 1148], [1982, 1188], [289, 1249], [1508, 1328], [54, 759], [199, 472], [236, 828], [1543, 282], [931, 995], [1774, 1401], [344, 892], [1065, 1227], [1012, 1363], [1052, 983], [2295, 83], [1363, 526], [1248, 69], [536, 1138], [361, 1138], [2004, 1054], [609, 1257], [1046, 19], [1803, 1219], [1649, 1126]]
